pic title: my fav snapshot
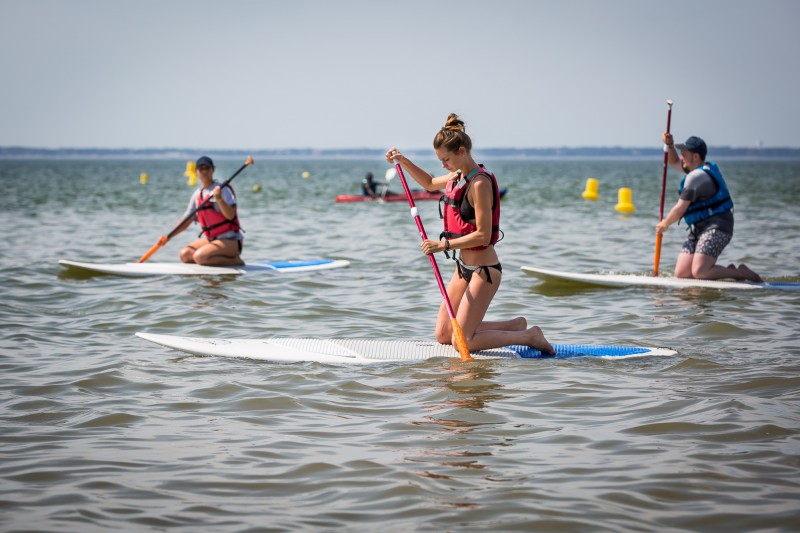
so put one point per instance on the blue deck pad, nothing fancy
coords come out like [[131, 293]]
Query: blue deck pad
[[578, 350], [785, 285]]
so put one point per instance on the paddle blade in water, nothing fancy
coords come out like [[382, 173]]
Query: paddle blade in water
[[657, 255], [461, 342]]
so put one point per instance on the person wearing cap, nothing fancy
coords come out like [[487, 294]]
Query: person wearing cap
[[706, 206], [220, 241]]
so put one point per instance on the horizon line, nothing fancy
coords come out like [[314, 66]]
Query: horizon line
[[367, 148]]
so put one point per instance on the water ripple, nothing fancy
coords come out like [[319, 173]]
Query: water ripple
[[105, 431]]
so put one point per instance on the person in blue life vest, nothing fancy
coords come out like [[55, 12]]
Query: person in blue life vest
[[706, 206], [471, 211], [220, 241], [368, 186]]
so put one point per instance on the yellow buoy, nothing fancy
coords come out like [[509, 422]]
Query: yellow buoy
[[306, 174], [590, 193], [143, 178], [191, 169], [256, 188], [625, 201], [191, 173]]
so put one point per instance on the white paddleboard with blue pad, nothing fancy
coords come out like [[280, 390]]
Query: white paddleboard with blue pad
[[368, 351], [631, 280], [191, 269]]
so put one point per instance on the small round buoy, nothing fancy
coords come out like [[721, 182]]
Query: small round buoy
[[143, 178], [306, 175], [625, 201], [590, 193], [256, 188]]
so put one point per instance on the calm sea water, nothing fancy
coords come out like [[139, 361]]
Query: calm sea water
[[101, 430]]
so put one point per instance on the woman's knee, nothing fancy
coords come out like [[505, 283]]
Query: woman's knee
[[200, 256], [443, 337], [186, 254], [443, 333]]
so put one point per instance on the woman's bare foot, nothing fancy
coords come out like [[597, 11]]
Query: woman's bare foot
[[519, 324], [748, 274], [536, 340]]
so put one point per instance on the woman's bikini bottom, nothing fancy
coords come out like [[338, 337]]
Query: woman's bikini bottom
[[465, 272]]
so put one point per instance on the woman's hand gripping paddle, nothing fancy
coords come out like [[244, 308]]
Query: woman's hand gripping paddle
[[458, 335], [657, 256], [165, 238]]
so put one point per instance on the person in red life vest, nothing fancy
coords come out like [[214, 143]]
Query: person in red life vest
[[220, 241], [471, 211]]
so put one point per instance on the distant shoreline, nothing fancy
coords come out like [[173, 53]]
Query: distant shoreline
[[614, 152]]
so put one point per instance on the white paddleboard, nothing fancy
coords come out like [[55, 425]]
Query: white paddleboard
[[366, 351], [191, 269], [627, 280]]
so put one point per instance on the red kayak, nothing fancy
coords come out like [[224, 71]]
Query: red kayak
[[392, 197]]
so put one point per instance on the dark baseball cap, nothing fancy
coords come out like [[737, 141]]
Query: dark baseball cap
[[205, 160], [694, 144]]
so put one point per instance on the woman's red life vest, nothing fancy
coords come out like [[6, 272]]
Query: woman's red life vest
[[212, 221], [455, 209]]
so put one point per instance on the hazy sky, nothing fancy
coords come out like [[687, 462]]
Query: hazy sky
[[269, 74]]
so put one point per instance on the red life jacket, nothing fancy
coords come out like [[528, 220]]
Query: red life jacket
[[454, 208], [212, 221]]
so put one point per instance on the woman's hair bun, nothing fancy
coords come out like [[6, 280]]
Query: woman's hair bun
[[454, 123], [453, 135]]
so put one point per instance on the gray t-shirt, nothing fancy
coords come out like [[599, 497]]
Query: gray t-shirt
[[699, 186]]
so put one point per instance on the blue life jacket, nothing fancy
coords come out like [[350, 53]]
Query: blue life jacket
[[721, 202]]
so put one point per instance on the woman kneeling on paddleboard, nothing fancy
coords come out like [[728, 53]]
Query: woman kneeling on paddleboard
[[220, 243], [471, 212]]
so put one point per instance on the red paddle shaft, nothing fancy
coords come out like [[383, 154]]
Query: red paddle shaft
[[460, 342], [666, 160], [415, 214]]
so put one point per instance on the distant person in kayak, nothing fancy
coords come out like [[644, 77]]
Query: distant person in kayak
[[220, 242], [706, 206], [471, 212], [368, 186]]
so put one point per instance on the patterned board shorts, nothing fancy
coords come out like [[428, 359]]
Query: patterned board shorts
[[710, 242]]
